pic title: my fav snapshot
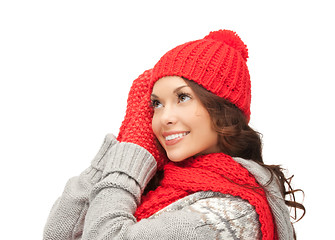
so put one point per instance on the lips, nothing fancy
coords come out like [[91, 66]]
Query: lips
[[172, 138]]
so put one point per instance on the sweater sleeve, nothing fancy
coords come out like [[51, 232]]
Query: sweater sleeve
[[66, 218], [115, 198]]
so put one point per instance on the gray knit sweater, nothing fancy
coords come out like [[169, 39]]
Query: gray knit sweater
[[100, 203]]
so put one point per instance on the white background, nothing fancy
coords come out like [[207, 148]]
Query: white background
[[66, 68]]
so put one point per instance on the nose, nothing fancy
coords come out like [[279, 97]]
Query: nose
[[168, 116]]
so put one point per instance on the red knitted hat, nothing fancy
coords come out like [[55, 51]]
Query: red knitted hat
[[216, 62]]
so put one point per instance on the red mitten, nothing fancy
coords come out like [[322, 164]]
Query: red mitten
[[136, 126]]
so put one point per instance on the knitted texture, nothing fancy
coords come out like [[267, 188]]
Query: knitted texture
[[213, 172], [136, 126], [216, 62]]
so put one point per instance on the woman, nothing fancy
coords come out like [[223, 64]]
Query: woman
[[186, 167]]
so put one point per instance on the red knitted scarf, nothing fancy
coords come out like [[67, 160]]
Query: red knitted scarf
[[213, 172]]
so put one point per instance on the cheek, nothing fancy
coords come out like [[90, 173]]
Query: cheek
[[202, 121], [204, 128]]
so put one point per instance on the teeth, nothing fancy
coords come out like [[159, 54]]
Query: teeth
[[174, 136]]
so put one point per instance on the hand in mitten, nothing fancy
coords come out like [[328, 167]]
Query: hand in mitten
[[136, 126]]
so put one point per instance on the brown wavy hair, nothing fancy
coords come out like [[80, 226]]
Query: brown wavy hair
[[238, 139]]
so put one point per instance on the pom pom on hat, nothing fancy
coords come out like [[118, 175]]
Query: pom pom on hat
[[230, 38], [217, 62]]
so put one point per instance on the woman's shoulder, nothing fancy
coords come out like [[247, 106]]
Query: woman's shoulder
[[228, 215]]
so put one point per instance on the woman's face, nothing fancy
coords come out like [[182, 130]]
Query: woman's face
[[180, 122]]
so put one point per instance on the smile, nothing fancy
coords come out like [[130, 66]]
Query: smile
[[175, 136]]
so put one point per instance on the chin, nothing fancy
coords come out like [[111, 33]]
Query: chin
[[179, 156], [175, 157]]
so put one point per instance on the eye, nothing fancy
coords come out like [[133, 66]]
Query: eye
[[155, 104], [183, 97]]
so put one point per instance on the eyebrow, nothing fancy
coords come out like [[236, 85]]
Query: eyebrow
[[174, 91], [178, 88]]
